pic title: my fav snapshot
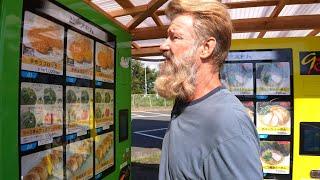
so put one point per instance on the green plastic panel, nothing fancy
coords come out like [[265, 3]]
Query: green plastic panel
[[10, 34]]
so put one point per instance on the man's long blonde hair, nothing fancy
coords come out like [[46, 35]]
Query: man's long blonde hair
[[211, 19]]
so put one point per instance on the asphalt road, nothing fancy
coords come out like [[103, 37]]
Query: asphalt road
[[148, 128]]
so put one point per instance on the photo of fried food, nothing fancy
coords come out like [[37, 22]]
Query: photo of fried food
[[81, 49], [105, 59], [43, 170], [104, 147], [72, 164], [80, 153], [45, 39], [42, 35]]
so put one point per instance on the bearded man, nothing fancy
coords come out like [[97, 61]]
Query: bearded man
[[210, 135]]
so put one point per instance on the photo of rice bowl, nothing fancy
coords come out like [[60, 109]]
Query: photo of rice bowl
[[238, 78]]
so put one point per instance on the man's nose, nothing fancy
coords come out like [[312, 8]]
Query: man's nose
[[165, 45]]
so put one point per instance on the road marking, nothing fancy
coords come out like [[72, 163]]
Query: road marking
[[156, 137], [151, 130], [165, 114], [142, 116]]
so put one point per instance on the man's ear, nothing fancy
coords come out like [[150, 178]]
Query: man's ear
[[208, 47]]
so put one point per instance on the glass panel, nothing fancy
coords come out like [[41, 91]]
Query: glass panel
[[79, 55], [274, 118], [273, 78], [42, 46], [275, 156], [104, 63], [238, 78]]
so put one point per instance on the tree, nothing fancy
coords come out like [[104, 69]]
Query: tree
[[137, 78]]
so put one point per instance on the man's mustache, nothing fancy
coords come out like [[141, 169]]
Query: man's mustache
[[167, 54]]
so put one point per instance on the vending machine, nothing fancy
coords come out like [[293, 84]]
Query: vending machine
[[65, 92], [278, 81]]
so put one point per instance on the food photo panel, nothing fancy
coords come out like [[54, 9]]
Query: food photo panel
[[41, 113], [273, 78], [79, 162], [238, 78], [79, 110], [274, 118], [43, 165], [104, 63], [79, 56], [275, 157], [42, 45], [104, 108], [104, 152]]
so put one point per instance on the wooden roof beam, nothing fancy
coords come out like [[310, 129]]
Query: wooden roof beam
[[152, 7], [128, 11], [135, 45], [156, 19], [275, 13], [314, 32], [125, 3], [97, 8], [149, 51], [232, 5], [281, 23]]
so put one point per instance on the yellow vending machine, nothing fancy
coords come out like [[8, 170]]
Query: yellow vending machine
[[278, 80]]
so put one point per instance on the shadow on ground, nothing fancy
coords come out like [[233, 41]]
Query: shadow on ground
[[145, 171]]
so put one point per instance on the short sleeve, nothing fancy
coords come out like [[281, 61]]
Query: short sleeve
[[235, 159]]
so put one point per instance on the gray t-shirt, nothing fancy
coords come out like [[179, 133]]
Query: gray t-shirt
[[211, 138]]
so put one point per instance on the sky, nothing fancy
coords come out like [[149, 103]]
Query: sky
[[152, 64]]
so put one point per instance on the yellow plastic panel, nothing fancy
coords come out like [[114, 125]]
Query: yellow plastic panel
[[306, 94]]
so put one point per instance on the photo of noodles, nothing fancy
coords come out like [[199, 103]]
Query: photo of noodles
[[273, 78], [43, 44], [273, 118], [104, 155], [79, 159], [275, 156], [238, 78], [43, 165]]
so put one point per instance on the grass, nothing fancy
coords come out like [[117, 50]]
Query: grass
[[146, 156]]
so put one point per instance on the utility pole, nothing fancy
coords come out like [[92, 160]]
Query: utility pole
[[145, 80]]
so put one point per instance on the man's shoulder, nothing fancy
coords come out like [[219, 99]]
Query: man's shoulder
[[227, 118]]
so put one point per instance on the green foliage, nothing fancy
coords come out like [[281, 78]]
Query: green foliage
[[137, 81], [150, 100]]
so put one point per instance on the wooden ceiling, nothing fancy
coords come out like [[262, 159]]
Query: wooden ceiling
[[274, 22]]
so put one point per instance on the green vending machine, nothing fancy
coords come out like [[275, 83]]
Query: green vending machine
[[65, 92]]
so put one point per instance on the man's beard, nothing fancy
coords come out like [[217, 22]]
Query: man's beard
[[177, 76]]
